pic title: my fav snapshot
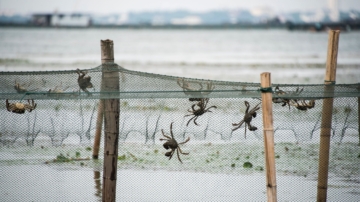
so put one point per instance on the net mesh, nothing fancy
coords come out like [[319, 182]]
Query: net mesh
[[48, 123]]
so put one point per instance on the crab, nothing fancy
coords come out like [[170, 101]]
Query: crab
[[285, 101], [185, 85], [20, 108], [58, 89], [22, 88], [202, 102], [249, 115], [84, 81], [172, 144], [303, 105]]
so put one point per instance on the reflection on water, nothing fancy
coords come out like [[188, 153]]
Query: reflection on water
[[98, 188], [52, 182]]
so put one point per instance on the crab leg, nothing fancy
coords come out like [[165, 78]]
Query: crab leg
[[238, 125], [165, 135], [183, 152], [172, 153], [177, 152], [187, 140]]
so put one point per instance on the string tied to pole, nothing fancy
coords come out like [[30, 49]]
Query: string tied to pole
[[330, 82], [266, 90]]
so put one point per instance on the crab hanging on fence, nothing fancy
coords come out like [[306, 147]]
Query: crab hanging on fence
[[185, 85], [57, 90], [172, 144], [202, 102], [247, 118], [20, 108], [22, 88], [303, 105], [285, 101], [84, 81]]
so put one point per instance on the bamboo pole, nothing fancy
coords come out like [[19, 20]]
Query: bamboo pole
[[110, 84], [326, 117], [99, 122], [267, 114]]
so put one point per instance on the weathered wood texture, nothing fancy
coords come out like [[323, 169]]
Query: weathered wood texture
[[326, 117], [107, 56], [267, 114], [110, 83]]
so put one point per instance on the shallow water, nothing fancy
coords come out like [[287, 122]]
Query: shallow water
[[58, 184]]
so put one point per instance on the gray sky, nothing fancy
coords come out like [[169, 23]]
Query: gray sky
[[119, 6]]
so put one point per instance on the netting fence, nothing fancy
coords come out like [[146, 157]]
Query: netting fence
[[48, 124]]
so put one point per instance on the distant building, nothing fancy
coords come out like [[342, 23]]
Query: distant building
[[61, 20], [188, 20]]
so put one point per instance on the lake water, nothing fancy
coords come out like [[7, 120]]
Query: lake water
[[235, 55]]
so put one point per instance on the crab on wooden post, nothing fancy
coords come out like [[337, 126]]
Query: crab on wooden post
[[172, 144], [19, 107]]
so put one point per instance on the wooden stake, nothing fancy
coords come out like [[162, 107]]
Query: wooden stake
[[97, 181], [110, 84], [359, 119], [326, 117], [267, 114], [107, 56]]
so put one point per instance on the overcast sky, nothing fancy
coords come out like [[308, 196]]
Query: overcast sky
[[119, 6]]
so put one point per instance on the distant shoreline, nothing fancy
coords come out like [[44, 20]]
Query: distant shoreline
[[345, 26]]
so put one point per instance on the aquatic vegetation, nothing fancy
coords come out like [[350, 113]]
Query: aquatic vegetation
[[62, 158], [247, 165], [121, 158]]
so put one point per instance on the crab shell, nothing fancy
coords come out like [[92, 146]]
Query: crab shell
[[19, 106]]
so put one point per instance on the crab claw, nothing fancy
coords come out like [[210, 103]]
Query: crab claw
[[166, 146], [168, 154], [252, 128], [254, 114]]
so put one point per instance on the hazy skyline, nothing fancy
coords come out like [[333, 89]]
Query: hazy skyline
[[120, 6]]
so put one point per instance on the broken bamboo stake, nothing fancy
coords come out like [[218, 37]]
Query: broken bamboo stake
[[267, 114], [326, 116], [110, 85]]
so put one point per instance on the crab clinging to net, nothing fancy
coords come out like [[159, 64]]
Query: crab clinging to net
[[302, 104], [19, 107], [249, 115], [22, 88], [286, 101], [172, 144], [202, 102], [195, 93], [84, 81]]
